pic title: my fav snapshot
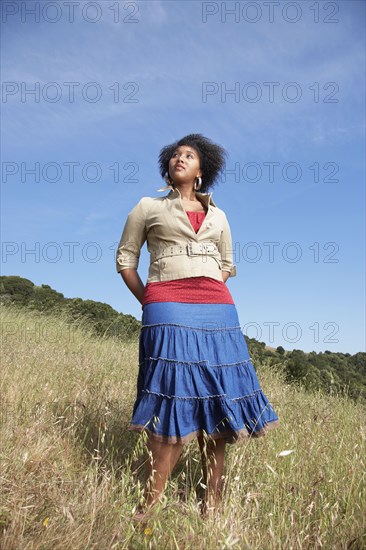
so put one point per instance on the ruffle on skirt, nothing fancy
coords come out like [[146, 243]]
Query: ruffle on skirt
[[196, 376]]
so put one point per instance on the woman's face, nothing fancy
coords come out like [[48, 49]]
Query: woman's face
[[184, 166]]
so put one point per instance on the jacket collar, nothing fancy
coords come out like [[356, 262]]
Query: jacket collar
[[206, 198]]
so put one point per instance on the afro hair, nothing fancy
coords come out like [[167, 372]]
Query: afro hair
[[211, 155]]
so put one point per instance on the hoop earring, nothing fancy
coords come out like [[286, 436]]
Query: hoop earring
[[197, 184]]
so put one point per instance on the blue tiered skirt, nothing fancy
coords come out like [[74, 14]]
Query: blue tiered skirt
[[196, 376]]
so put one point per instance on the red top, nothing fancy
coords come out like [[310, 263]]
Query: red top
[[201, 290]]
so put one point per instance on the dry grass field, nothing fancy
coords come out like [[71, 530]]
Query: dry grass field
[[72, 475]]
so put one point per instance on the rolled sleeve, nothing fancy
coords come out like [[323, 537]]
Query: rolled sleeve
[[225, 247], [132, 239]]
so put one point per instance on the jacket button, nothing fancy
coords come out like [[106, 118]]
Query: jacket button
[[163, 265]]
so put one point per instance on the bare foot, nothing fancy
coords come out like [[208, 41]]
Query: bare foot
[[141, 519], [209, 510], [142, 516]]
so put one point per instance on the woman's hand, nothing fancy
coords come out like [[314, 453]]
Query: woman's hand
[[225, 275], [134, 283]]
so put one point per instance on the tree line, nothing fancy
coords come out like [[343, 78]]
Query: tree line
[[333, 372], [101, 318]]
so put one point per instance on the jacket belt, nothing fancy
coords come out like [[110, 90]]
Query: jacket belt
[[191, 249]]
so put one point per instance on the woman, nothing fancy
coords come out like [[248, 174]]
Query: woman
[[195, 377]]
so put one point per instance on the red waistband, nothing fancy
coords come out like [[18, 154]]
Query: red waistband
[[193, 290]]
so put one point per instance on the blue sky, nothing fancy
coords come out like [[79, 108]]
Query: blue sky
[[282, 91]]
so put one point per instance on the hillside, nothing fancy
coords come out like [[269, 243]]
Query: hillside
[[72, 473], [333, 373], [98, 316]]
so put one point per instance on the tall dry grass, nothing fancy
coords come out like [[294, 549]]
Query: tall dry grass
[[72, 475]]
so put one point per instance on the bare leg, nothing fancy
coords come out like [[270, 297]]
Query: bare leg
[[212, 456], [161, 461]]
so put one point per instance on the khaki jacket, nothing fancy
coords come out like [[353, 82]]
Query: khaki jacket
[[176, 251]]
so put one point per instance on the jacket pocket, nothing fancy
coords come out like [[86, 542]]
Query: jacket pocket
[[218, 260]]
